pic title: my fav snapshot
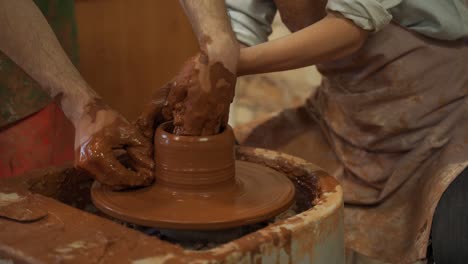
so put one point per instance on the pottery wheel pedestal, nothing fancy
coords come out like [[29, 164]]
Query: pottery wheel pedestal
[[191, 192]]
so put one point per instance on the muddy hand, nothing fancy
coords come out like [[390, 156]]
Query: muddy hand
[[199, 97], [100, 134], [152, 116]]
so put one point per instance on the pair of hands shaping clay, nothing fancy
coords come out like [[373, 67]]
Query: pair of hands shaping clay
[[197, 100]]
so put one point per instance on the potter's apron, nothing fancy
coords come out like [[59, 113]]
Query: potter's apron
[[395, 116]]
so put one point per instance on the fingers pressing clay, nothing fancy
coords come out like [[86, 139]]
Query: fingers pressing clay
[[140, 158], [145, 122], [96, 154], [152, 114], [101, 162], [174, 108], [200, 97], [140, 151]]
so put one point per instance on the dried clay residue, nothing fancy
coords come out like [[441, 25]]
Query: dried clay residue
[[22, 208]]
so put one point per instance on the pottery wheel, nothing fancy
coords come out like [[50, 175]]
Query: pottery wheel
[[259, 193]]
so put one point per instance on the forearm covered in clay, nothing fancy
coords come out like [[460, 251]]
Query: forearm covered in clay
[[200, 95], [329, 39], [26, 37], [212, 27]]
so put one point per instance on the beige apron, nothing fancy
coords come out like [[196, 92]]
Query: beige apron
[[393, 128]]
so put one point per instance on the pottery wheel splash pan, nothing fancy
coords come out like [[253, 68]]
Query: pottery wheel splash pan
[[188, 196]]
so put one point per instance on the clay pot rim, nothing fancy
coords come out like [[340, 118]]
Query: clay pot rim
[[162, 131]]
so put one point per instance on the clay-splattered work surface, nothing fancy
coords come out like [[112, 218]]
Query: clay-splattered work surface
[[72, 233]]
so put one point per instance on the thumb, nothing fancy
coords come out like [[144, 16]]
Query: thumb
[[152, 116]]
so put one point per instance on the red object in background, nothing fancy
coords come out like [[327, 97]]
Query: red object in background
[[43, 139]]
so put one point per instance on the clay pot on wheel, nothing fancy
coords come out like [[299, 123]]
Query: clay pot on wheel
[[186, 162], [200, 186]]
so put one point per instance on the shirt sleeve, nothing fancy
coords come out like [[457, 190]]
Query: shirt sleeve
[[251, 19], [370, 15]]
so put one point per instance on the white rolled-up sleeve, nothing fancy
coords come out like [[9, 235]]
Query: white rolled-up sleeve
[[370, 15], [251, 19]]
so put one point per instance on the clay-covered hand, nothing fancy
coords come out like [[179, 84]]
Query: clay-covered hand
[[101, 133], [151, 116], [199, 97]]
